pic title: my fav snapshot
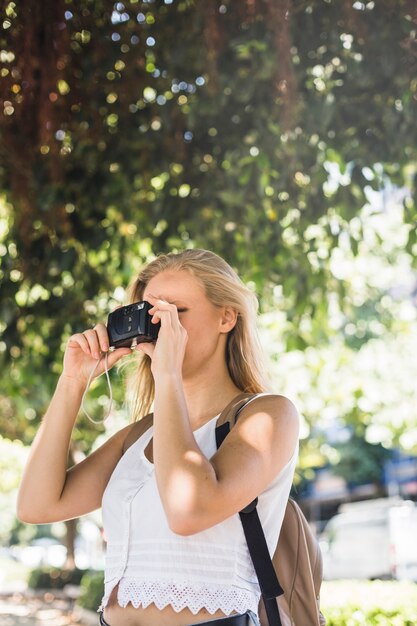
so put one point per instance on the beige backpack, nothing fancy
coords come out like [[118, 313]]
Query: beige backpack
[[297, 559]]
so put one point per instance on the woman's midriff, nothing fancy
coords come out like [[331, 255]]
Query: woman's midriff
[[117, 615]]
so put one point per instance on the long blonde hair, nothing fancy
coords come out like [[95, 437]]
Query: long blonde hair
[[244, 355]]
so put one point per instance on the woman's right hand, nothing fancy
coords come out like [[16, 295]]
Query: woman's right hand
[[83, 351]]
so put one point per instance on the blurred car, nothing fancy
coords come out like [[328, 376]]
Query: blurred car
[[50, 552], [371, 539], [45, 551]]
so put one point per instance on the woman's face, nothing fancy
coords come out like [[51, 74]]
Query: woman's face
[[206, 325]]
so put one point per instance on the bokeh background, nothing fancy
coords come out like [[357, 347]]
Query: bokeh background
[[281, 135]]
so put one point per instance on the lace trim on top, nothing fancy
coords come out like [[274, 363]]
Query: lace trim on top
[[180, 596]]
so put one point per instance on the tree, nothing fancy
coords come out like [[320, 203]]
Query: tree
[[359, 385], [12, 458], [255, 128], [361, 462], [137, 127]]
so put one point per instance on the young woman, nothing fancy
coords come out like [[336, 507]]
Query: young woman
[[176, 552]]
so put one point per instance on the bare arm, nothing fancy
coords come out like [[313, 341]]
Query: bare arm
[[48, 491], [198, 492]]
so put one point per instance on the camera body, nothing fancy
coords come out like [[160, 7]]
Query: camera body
[[131, 325]]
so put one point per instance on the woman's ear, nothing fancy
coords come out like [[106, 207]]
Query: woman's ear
[[228, 319]]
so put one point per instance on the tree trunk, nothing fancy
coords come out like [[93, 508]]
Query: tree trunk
[[71, 526]]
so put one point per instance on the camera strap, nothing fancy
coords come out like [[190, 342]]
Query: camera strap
[[106, 367]]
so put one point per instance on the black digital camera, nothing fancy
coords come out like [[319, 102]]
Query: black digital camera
[[131, 325]]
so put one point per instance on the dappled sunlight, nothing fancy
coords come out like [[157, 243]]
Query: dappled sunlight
[[283, 140]]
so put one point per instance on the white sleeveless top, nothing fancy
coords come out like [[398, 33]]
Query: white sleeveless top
[[211, 569]]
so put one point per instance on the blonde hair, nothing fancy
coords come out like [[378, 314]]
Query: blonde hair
[[244, 355]]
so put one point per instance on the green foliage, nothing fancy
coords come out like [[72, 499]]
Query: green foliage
[[354, 616], [361, 462], [92, 586], [377, 603], [54, 578], [226, 144], [136, 128], [340, 390], [12, 458]]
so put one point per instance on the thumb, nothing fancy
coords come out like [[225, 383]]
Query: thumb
[[115, 355], [146, 348]]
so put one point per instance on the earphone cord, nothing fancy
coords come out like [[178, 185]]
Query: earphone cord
[[106, 367]]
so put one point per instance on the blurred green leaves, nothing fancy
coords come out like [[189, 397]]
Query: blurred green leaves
[[132, 128]]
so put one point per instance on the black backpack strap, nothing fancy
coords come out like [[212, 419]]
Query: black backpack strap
[[258, 549]]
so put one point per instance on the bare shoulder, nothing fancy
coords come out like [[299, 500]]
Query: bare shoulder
[[86, 481], [126, 436], [137, 429], [269, 423], [278, 408], [260, 445]]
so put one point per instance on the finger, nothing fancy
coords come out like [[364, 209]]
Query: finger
[[103, 337], [163, 316], [159, 303], [80, 341], [116, 355], [151, 298], [163, 305], [146, 348], [93, 342]]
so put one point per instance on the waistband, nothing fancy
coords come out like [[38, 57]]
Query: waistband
[[244, 619]]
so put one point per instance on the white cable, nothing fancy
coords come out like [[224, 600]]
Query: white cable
[[106, 367]]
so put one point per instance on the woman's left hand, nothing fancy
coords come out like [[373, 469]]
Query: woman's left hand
[[167, 354]]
